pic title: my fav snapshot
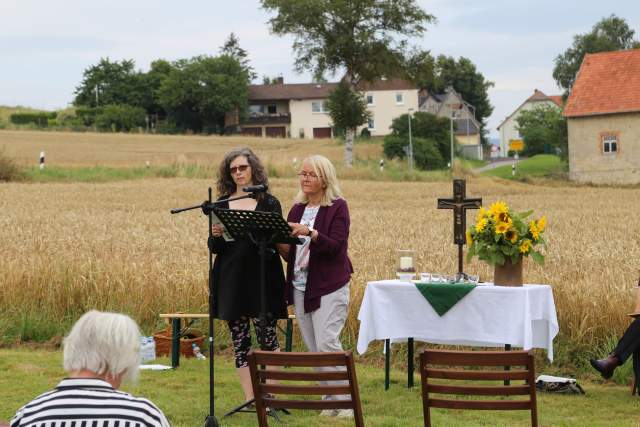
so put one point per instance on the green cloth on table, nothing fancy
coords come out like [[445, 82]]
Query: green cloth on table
[[444, 296]]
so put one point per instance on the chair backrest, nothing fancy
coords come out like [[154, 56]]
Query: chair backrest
[[298, 381], [449, 365]]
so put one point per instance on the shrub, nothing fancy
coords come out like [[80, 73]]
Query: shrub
[[365, 133], [426, 154], [87, 115], [9, 171], [40, 119], [119, 118], [393, 146]]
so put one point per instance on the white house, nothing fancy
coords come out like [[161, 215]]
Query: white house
[[508, 128], [299, 110]]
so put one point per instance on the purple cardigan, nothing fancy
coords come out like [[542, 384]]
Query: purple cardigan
[[329, 265]]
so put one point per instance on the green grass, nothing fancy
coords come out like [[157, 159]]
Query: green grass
[[539, 166], [394, 170], [471, 163], [183, 396], [108, 174]]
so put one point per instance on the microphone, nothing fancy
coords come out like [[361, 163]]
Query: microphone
[[256, 188]]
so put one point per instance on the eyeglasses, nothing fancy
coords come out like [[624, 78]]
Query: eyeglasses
[[309, 175], [240, 168]]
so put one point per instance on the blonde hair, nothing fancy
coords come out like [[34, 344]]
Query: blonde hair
[[103, 343], [327, 174]]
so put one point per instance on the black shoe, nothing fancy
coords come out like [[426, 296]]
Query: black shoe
[[605, 366]]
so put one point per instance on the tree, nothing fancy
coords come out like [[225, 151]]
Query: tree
[[231, 47], [431, 139], [347, 108], [198, 92], [151, 82], [110, 83], [119, 118], [365, 38], [543, 130], [435, 75], [609, 34]]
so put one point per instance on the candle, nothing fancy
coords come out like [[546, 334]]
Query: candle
[[406, 263]]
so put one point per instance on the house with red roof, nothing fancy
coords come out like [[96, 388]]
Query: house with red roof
[[508, 128], [299, 110], [603, 119]]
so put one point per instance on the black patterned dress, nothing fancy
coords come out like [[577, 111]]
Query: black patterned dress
[[236, 275]]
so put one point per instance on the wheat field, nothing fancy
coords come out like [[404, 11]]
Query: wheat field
[[67, 248]]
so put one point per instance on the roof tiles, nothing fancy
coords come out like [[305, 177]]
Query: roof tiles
[[607, 83]]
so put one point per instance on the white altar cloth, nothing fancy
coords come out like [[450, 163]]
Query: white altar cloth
[[489, 316]]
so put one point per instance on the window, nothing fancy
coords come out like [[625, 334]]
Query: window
[[371, 124], [318, 107], [256, 109], [399, 98], [271, 109], [369, 99], [609, 143]]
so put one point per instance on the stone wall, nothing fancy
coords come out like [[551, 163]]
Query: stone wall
[[589, 163]]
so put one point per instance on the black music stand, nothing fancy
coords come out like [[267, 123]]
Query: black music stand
[[207, 208], [263, 229]]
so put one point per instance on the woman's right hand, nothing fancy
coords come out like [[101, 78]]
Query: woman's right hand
[[216, 230]]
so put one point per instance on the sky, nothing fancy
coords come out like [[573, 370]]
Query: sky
[[46, 46]]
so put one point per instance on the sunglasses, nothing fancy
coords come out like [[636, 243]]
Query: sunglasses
[[240, 168]]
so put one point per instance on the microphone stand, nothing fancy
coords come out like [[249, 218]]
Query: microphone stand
[[207, 208]]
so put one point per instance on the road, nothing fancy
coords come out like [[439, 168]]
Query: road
[[497, 163]]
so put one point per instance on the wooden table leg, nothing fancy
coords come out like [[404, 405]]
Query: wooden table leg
[[175, 343], [507, 347], [410, 362], [387, 355], [288, 335]]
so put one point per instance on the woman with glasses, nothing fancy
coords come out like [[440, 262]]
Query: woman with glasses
[[236, 269], [319, 269]]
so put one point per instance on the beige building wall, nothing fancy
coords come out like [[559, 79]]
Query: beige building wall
[[587, 161], [468, 139], [303, 119], [385, 108], [508, 130]]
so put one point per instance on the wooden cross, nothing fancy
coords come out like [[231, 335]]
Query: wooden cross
[[459, 203]]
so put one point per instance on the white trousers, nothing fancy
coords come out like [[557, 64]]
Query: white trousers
[[321, 329]]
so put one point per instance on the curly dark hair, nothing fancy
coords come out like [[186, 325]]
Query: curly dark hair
[[226, 186]]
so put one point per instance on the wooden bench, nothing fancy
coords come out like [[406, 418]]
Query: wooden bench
[[174, 320]]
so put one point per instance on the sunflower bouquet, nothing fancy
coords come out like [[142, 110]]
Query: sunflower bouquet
[[499, 234]]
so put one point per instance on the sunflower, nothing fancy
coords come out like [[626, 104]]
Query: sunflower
[[481, 214], [535, 231], [481, 224], [498, 208], [502, 227], [511, 235], [469, 239], [525, 247], [542, 224]]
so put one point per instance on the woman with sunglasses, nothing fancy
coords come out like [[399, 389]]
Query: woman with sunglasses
[[236, 268], [319, 270]]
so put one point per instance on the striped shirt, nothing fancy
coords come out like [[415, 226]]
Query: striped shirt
[[88, 402]]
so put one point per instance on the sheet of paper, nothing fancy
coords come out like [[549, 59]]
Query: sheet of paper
[[225, 234], [155, 367]]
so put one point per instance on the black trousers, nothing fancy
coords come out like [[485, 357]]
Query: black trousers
[[630, 341]]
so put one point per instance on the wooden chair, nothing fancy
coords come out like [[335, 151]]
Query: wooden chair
[[445, 365], [297, 381]]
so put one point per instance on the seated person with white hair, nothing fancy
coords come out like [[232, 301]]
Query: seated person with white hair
[[101, 351]]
